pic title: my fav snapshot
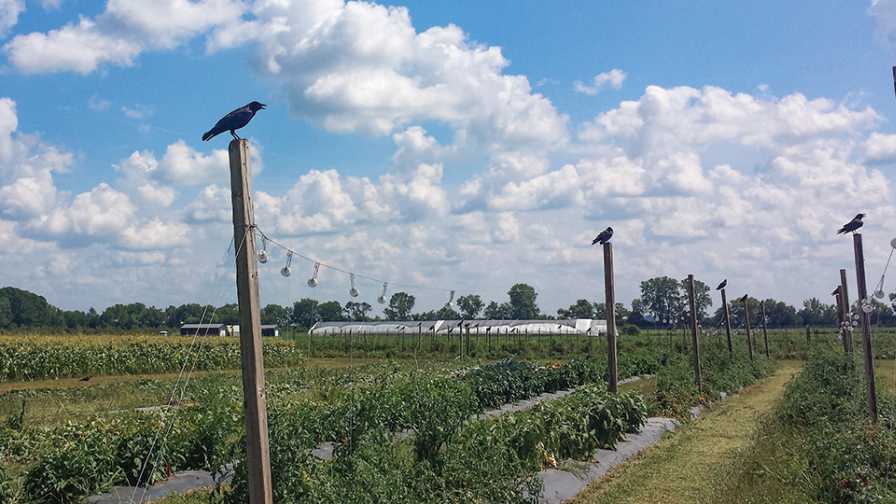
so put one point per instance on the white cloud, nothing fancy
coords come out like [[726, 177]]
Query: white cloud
[[9, 14], [137, 111], [118, 35], [612, 79], [98, 104]]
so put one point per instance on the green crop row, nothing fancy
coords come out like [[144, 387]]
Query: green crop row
[[30, 360], [850, 459], [454, 459]]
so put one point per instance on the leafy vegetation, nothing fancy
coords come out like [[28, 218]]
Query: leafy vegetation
[[852, 460]]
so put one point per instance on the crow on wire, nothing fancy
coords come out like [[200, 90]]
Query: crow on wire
[[853, 225], [603, 237], [723, 284], [234, 121]]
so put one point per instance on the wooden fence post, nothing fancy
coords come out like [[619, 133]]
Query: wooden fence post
[[866, 326], [844, 294], [692, 306], [727, 322], [764, 329], [749, 329], [610, 306], [258, 464]]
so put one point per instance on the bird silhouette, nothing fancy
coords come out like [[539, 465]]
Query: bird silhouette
[[744, 299], [853, 225], [234, 121], [723, 284], [603, 237]]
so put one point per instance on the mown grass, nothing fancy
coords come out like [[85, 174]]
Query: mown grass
[[688, 466]]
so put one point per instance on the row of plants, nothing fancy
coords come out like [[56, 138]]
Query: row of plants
[[850, 459], [63, 464], [676, 387], [451, 457], [36, 358]]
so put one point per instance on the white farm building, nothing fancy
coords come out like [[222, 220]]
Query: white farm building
[[481, 327]]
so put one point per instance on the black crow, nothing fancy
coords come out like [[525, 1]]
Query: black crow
[[603, 237], [852, 225], [744, 299], [723, 284], [234, 121]]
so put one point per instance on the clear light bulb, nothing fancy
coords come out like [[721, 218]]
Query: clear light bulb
[[879, 294], [263, 253], [893, 243], [314, 281], [286, 270], [855, 323], [353, 292], [867, 307]]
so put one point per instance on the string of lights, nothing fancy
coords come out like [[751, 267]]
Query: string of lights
[[879, 289], [314, 281]]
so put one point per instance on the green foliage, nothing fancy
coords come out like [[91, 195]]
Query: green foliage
[[854, 460], [29, 358]]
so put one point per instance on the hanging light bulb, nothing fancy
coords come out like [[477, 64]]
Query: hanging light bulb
[[314, 281], [382, 298], [450, 299], [286, 271], [867, 307], [893, 243], [263, 253], [353, 292], [879, 293]]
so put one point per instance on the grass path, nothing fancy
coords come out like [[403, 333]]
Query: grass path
[[689, 466]]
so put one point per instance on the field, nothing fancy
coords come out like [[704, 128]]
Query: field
[[400, 414]]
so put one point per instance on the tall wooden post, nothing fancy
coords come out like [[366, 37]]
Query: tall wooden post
[[610, 306], [727, 322], [749, 329], [258, 462], [844, 294], [764, 329], [866, 326], [692, 306]]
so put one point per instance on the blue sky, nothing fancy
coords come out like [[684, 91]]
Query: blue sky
[[781, 105]]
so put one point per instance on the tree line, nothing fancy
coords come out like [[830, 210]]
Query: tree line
[[662, 303]]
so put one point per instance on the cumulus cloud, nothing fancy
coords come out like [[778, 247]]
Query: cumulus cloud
[[119, 34], [612, 79], [9, 14]]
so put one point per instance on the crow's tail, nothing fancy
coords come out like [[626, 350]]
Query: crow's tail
[[209, 134]]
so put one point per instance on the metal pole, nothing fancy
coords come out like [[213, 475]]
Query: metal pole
[[764, 329]]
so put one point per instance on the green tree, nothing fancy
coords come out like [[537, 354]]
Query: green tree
[[814, 312], [357, 311], [661, 297], [400, 306], [522, 302], [330, 311], [305, 313], [702, 299], [275, 314], [581, 309], [497, 311], [470, 306], [6, 318]]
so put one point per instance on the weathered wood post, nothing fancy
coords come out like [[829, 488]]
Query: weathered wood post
[[692, 306], [610, 306], [764, 329], [844, 294], [746, 299], [866, 326], [727, 313], [258, 464]]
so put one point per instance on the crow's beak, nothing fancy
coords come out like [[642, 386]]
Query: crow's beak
[[263, 106]]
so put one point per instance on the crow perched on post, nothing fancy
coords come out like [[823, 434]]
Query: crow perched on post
[[723, 284], [603, 237], [744, 299], [234, 121], [852, 225]]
